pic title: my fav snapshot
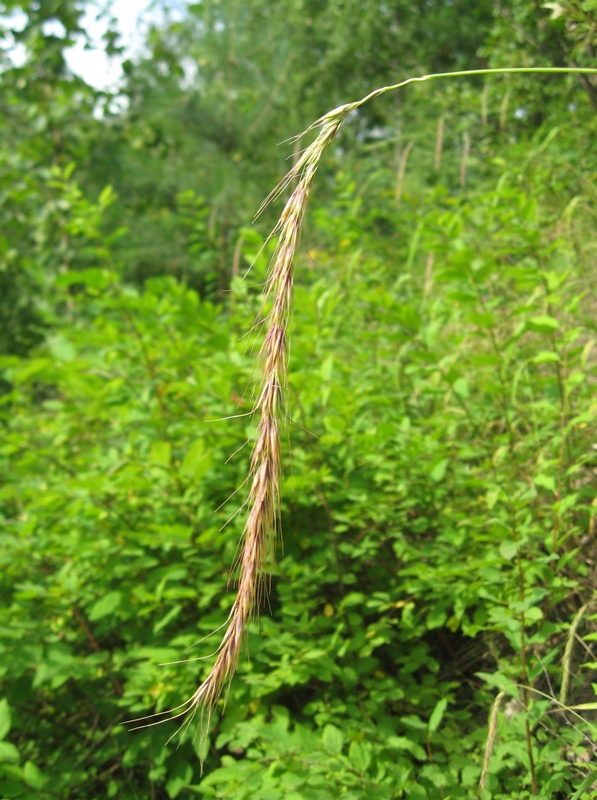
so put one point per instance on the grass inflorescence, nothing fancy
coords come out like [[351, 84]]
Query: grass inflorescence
[[262, 526]]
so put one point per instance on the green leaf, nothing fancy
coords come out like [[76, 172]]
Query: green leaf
[[542, 324], [196, 462], [498, 681], [8, 753], [33, 776], [327, 368], [179, 777], [508, 550], [359, 754], [545, 357], [483, 319], [492, 497], [575, 379], [31, 369], [12, 786], [332, 739], [403, 743], [439, 470], [409, 316], [4, 718], [545, 482], [172, 614], [436, 618], [105, 605], [437, 715], [94, 278], [160, 453], [461, 388], [567, 502], [107, 196], [334, 424], [534, 614], [61, 348], [588, 782]]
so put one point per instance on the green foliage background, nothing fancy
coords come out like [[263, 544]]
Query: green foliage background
[[439, 496]]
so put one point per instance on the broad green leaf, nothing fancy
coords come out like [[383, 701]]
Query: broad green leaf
[[483, 319], [545, 356], [334, 424], [327, 368], [33, 776], [462, 389], [11, 784], [410, 746], [543, 324], [94, 278], [359, 754], [196, 462], [492, 498], [575, 379], [61, 348], [486, 360], [438, 472], [160, 453], [8, 753], [545, 482], [179, 777], [566, 503], [107, 196], [332, 739], [105, 605], [436, 618], [534, 614], [31, 369], [508, 550], [409, 316]]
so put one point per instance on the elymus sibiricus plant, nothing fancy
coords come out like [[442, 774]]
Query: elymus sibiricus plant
[[262, 523], [262, 528]]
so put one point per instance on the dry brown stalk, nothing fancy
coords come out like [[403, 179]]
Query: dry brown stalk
[[466, 149], [504, 109], [490, 740]]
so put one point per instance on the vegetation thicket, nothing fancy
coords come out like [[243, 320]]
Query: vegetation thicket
[[430, 624]]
